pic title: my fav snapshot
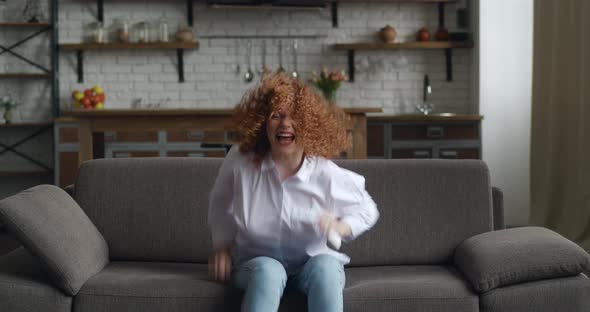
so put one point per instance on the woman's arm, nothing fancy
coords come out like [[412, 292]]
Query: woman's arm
[[220, 220], [355, 210]]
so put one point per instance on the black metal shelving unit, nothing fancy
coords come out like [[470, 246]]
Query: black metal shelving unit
[[50, 73]]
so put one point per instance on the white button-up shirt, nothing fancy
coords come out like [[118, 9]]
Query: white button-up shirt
[[257, 214]]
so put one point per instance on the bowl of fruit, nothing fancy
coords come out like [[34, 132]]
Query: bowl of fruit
[[89, 99]]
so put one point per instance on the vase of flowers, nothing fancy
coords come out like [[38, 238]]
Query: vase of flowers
[[8, 104], [328, 83]]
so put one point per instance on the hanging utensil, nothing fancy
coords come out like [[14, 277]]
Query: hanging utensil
[[249, 74], [238, 69], [294, 73], [281, 69], [264, 70]]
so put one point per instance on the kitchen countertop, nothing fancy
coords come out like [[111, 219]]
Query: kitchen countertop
[[175, 112], [433, 117]]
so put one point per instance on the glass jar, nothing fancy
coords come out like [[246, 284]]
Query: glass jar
[[122, 30], [143, 31], [163, 30], [96, 33]]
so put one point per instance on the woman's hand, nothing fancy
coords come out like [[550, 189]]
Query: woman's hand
[[220, 265], [329, 222]]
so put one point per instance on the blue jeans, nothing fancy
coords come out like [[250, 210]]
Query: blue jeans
[[263, 280]]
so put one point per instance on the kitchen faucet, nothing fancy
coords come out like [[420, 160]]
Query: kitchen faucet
[[426, 107]]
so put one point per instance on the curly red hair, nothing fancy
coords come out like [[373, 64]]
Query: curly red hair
[[320, 127]]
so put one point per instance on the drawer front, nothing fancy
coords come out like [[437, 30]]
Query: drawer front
[[68, 135], [375, 141], [121, 136], [406, 153], [459, 153], [434, 132], [195, 154], [196, 136], [125, 154], [68, 168]]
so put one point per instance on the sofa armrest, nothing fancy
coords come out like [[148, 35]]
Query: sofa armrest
[[70, 190], [495, 259], [498, 207]]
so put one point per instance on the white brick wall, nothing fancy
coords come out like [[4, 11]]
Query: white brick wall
[[393, 80]]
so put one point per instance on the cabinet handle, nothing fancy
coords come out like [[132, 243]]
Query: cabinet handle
[[197, 135], [121, 155], [449, 154], [421, 154], [110, 135], [435, 132]]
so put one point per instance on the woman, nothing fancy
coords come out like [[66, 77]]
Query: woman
[[277, 196]]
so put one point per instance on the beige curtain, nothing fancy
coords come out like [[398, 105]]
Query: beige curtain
[[560, 143]]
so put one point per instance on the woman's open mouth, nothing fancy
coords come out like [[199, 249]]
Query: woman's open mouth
[[285, 138]]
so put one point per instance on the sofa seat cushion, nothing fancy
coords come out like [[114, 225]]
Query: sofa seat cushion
[[153, 286], [408, 288], [25, 286], [549, 295]]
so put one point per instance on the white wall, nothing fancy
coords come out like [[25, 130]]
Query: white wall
[[505, 84]]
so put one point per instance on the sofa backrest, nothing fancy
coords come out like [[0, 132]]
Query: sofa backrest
[[427, 207], [152, 209], [155, 209]]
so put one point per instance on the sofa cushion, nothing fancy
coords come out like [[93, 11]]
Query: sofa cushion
[[408, 288], [7, 242], [427, 208], [26, 287], [157, 210], [517, 255], [552, 295], [150, 286], [49, 223], [161, 200], [154, 286]]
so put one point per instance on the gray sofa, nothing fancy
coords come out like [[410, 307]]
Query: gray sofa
[[140, 243]]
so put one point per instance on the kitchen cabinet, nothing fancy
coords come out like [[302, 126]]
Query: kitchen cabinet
[[88, 134], [417, 136]]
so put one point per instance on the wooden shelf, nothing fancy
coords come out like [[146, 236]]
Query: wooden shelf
[[446, 46], [24, 173], [176, 112], [129, 46], [176, 45], [24, 75], [427, 45], [25, 124], [23, 24], [418, 117], [397, 1]]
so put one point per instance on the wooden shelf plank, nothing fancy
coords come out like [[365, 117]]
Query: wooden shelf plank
[[397, 1], [176, 112], [24, 24], [428, 45], [418, 117], [25, 75], [25, 124], [24, 173], [129, 46]]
